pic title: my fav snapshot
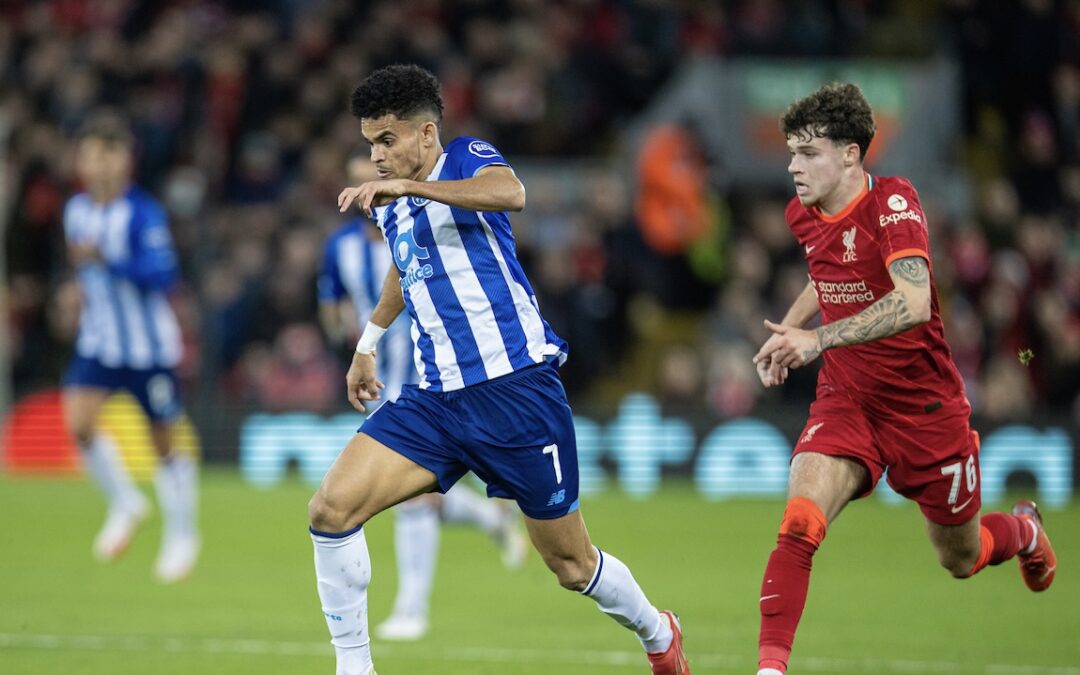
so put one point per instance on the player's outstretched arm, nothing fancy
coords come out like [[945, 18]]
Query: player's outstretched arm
[[805, 307], [361, 382], [391, 301], [494, 188], [332, 320], [904, 307]]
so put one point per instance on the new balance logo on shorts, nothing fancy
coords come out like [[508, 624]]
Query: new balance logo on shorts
[[557, 498]]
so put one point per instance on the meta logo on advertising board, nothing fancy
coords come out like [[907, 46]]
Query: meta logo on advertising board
[[744, 457]]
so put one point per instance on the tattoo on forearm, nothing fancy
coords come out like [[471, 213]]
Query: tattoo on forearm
[[888, 316], [912, 270]]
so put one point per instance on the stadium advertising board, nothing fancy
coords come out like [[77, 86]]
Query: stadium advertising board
[[745, 457], [631, 450]]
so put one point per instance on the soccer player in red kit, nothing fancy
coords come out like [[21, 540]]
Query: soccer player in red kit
[[888, 394]]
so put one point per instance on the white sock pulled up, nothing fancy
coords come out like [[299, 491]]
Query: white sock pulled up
[[618, 595], [343, 572]]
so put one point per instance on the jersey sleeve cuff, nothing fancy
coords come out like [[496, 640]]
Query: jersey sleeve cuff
[[489, 164], [906, 253]]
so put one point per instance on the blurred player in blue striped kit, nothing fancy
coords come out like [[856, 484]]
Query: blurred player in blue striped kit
[[119, 243], [355, 262], [490, 400]]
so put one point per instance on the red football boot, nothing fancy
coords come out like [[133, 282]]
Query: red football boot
[[673, 661], [1036, 567]]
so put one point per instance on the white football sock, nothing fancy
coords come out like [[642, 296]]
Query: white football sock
[[416, 544], [462, 505], [102, 463], [769, 671], [343, 572], [177, 483], [618, 595]]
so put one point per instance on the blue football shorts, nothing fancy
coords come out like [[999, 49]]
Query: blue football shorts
[[156, 389], [515, 432]]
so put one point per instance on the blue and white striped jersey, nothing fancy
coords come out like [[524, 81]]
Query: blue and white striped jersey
[[474, 313], [355, 265], [126, 319]]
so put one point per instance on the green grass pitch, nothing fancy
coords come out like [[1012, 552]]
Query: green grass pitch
[[878, 601]]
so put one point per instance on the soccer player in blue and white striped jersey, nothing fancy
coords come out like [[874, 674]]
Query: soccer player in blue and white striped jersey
[[354, 265], [119, 243], [490, 399], [355, 262]]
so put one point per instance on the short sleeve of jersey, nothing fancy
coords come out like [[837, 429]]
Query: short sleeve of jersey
[[329, 282], [152, 247], [901, 223], [466, 156], [152, 230]]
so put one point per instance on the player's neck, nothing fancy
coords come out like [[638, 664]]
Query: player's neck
[[851, 186], [432, 160]]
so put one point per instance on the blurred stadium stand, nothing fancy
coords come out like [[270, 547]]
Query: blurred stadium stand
[[241, 116]]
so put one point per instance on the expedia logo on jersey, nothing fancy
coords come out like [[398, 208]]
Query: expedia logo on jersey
[[406, 252], [894, 218], [843, 292], [899, 205]]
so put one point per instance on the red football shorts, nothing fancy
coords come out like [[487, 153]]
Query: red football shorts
[[931, 460]]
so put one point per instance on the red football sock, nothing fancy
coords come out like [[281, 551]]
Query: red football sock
[[1002, 536], [787, 578]]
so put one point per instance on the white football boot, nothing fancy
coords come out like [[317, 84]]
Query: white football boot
[[121, 525], [402, 628], [177, 558]]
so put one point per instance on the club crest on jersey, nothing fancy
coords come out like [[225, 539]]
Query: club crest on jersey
[[849, 244], [419, 202]]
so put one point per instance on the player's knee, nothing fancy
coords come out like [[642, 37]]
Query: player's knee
[[79, 427], [82, 432], [329, 514], [960, 561]]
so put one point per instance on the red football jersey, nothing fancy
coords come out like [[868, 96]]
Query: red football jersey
[[849, 254]]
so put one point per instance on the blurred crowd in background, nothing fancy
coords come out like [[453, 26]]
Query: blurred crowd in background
[[240, 110]]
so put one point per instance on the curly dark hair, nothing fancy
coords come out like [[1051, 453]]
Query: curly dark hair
[[399, 90], [836, 111]]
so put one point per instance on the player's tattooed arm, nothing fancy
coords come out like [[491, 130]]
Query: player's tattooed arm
[[906, 306], [888, 316], [913, 270]]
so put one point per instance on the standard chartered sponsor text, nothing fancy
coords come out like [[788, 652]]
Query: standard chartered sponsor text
[[843, 292]]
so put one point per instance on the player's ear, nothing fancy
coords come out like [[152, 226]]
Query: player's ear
[[852, 155], [429, 133]]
